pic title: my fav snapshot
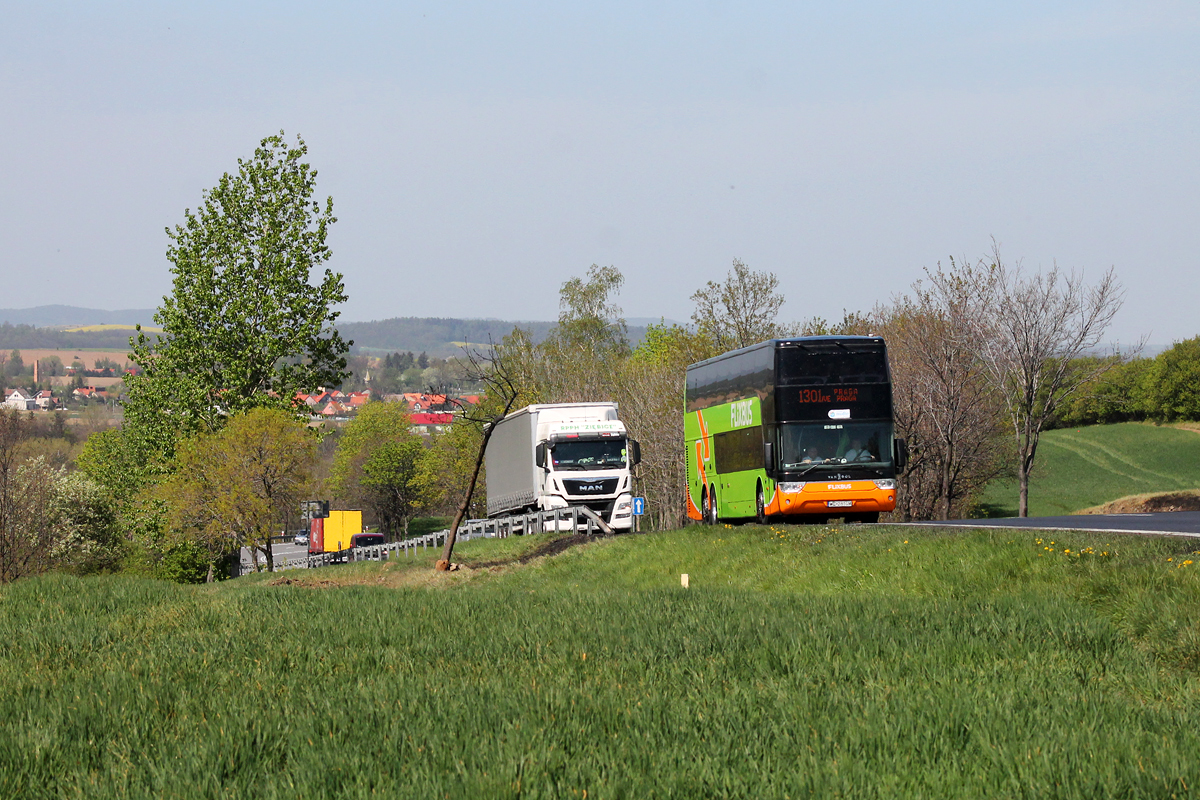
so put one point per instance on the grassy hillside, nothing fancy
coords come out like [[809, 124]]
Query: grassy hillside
[[1079, 468], [862, 662]]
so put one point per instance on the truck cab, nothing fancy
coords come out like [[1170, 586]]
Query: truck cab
[[561, 455], [588, 464]]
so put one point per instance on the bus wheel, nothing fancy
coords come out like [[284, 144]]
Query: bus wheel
[[760, 507], [713, 519], [705, 510]]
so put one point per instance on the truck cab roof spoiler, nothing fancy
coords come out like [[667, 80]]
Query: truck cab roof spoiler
[[586, 435]]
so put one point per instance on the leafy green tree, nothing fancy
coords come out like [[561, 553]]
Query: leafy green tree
[[50, 366], [1118, 395], [1171, 385], [446, 470], [377, 465], [236, 487], [741, 311], [244, 326], [84, 515], [49, 518], [583, 350], [16, 364]]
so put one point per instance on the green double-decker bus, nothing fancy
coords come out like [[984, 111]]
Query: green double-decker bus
[[798, 428]]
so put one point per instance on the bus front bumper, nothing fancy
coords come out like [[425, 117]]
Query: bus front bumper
[[833, 497]]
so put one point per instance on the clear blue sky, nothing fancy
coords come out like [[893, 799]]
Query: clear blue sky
[[481, 154]]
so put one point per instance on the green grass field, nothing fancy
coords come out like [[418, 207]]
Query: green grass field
[[803, 661], [1079, 468]]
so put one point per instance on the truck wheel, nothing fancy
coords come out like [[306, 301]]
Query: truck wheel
[[760, 507]]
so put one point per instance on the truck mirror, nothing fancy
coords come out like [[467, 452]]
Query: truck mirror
[[635, 452], [769, 458], [900, 454], [539, 455]]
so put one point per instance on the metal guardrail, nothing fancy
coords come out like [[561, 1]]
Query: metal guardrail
[[560, 519]]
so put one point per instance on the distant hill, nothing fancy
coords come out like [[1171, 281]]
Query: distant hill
[[69, 316], [436, 336], [444, 337], [432, 335], [19, 337]]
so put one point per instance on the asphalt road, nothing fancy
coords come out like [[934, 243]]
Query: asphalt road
[[287, 550], [1168, 523]]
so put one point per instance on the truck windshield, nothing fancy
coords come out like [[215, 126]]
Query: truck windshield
[[589, 454], [836, 444]]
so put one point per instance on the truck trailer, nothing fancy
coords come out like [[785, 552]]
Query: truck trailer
[[340, 531], [560, 455]]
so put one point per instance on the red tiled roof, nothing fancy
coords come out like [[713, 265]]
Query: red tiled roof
[[432, 419]]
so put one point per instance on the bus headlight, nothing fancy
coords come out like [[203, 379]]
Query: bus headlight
[[791, 488], [887, 484]]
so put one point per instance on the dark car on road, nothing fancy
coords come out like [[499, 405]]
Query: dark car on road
[[367, 540]]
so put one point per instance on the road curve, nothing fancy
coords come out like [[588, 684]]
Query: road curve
[[1162, 523]]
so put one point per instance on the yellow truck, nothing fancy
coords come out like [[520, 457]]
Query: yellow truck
[[340, 531]]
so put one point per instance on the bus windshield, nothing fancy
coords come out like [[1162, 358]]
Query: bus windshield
[[806, 445], [588, 454]]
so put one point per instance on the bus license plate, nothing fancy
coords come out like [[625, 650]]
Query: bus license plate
[[840, 503]]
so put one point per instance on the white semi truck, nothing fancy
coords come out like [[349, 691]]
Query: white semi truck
[[559, 455]]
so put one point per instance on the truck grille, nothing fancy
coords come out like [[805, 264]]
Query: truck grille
[[595, 488]]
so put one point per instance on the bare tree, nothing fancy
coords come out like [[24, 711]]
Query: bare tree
[[650, 388], [1040, 325], [20, 553], [944, 405], [741, 311], [496, 371]]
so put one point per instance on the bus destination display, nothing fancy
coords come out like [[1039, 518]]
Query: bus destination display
[[872, 401], [835, 394]]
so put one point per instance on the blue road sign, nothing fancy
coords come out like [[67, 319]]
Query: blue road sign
[[639, 506]]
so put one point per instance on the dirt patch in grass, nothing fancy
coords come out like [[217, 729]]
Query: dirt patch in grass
[[305, 583], [1144, 503], [550, 548], [389, 574]]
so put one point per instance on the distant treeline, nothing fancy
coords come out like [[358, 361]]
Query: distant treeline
[[437, 336], [28, 336], [1165, 388]]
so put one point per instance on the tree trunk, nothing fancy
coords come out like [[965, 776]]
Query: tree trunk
[[452, 537], [1023, 477], [947, 482]]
